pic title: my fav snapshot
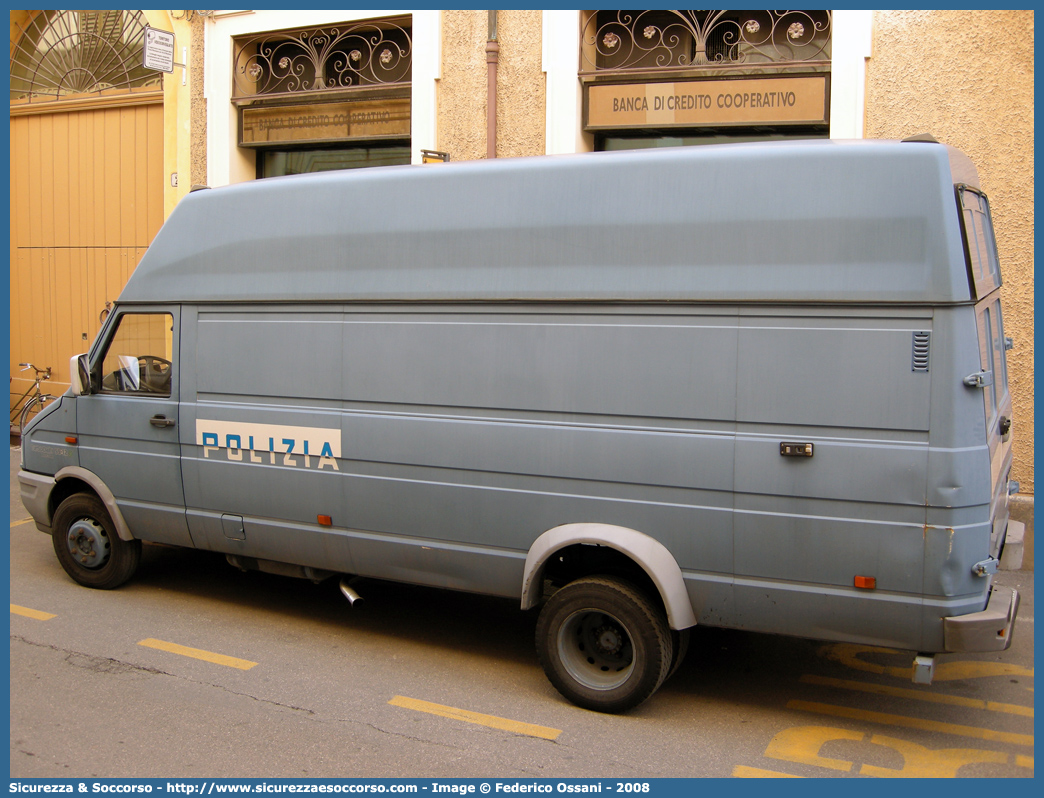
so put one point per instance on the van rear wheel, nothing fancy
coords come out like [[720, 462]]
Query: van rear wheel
[[603, 644], [87, 544]]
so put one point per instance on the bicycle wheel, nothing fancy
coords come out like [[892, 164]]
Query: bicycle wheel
[[16, 413], [31, 410]]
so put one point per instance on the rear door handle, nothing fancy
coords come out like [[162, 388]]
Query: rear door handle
[[161, 421]]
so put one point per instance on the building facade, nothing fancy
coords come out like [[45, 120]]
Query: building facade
[[267, 93], [518, 83], [100, 155]]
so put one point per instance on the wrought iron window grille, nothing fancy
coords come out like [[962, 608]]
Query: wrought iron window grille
[[64, 53], [734, 42], [375, 53]]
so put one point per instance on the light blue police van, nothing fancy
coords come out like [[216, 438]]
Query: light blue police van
[[755, 386]]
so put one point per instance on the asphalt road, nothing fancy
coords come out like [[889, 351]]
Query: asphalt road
[[195, 669]]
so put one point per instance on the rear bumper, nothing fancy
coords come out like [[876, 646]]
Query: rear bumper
[[988, 630]]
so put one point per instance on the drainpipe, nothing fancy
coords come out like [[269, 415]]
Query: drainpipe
[[492, 56]]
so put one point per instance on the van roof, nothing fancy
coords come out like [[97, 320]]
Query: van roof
[[810, 221]]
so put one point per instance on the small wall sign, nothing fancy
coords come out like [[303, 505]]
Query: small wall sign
[[708, 103], [159, 50]]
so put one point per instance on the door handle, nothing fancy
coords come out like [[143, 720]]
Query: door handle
[[980, 379], [161, 421]]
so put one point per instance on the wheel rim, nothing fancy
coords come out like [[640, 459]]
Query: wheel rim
[[596, 649], [89, 543]]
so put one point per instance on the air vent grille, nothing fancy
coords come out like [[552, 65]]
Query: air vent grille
[[921, 348]]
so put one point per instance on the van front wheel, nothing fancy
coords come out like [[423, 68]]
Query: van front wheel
[[603, 644], [87, 545]]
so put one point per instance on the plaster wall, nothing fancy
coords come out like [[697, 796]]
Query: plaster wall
[[463, 85], [177, 88], [966, 77], [520, 85], [197, 103], [462, 88]]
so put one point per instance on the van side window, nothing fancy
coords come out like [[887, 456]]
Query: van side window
[[138, 359], [987, 363], [1000, 377], [979, 241]]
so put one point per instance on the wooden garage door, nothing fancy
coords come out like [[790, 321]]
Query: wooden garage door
[[86, 200]]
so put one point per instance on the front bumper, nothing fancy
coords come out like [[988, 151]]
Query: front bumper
[[35, 490], [988, 630]]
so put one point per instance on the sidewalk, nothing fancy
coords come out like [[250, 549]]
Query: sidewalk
[[1021, 509]]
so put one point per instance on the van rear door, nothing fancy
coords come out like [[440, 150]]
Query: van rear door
[[981, 247], [997, 401]]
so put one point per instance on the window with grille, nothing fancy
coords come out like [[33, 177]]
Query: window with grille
[[65, 53]]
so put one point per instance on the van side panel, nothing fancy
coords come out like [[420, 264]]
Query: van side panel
[[664, 420], [807, 526], [621, 418], [278, 376], [451, 466]]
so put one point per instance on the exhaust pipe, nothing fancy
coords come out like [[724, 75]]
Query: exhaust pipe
[[350, 594]]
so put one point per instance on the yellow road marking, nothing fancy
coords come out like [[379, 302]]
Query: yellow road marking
[[1024, 761], [197, 653], [973, 669], [925, 763], [919, 695], [516, 726], [849, 654], [803, 744], [912, 723], [744, 772], [19, 523], [35, 614]]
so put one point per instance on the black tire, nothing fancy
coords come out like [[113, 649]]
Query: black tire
[[680, 638], [87, 545], [603, 644]]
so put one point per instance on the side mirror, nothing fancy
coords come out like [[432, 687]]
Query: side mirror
[[80, 375]]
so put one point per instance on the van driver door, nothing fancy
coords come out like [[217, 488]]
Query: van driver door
[[128, 426]]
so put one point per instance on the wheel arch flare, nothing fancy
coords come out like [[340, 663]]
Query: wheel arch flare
[[82, 478], [644, 551]]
